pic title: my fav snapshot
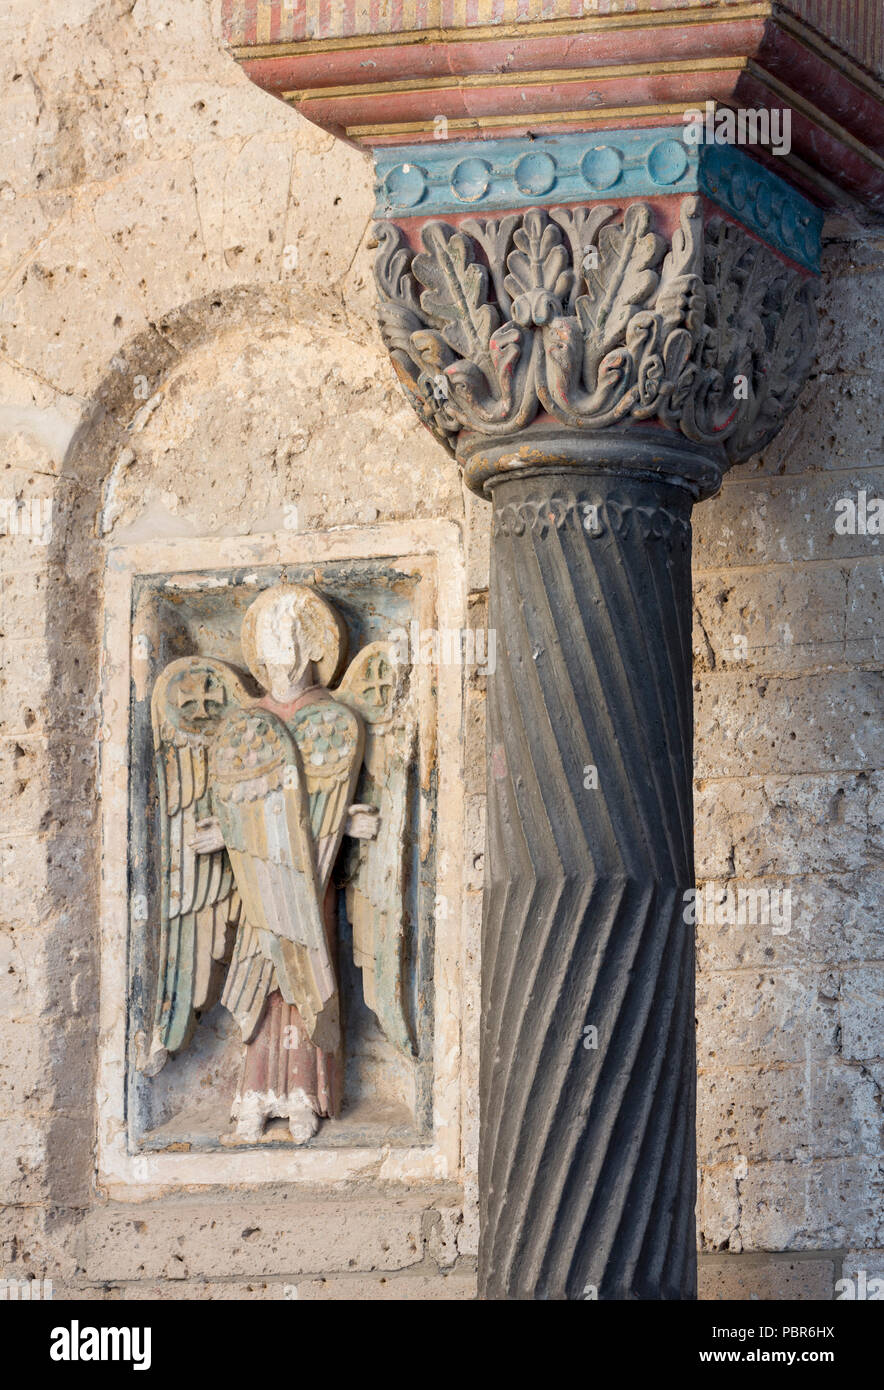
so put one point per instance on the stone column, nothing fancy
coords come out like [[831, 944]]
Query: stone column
[[633, 317], [587, 1168], [595, 276], [595, 369]]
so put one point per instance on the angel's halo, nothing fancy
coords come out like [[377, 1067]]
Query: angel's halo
[[321, 631]]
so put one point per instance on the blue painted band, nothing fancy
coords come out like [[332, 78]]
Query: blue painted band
[[493, 175]]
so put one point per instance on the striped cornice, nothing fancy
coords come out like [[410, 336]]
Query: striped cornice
[[387, 73], [261, 28], [266, 28]]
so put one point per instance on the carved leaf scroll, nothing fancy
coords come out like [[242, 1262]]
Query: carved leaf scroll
[[622, 282], [456, 295], [540, 274], [711, 335]]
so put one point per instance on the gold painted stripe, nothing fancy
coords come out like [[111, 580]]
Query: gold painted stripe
[[635, 19], [814, 114], [777, 88], [599, 113], [540, 77]]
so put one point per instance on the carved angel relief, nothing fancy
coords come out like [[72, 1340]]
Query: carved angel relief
[[256, 796]]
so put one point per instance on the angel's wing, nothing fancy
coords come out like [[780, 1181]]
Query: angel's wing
[[264, 805], [330, 739], [376, 891], [200, 904]]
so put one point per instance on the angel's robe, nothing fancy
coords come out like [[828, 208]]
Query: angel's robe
[[280, 1061]]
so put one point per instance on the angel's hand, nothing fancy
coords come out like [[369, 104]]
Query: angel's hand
[[208, 837], [363, 822]]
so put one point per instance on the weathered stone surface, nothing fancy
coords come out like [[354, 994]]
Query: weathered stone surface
[[783, 726], [836, 423], [822, 1110], [765, 1277], [865, 613], [273, 393], [788, 618], [778, 520], [834, 919], [474, 849], [67, 306], [41, 1242], [308, 459], [764, 1018], [474, 742], [718, 1208], [810, 1205], [442, 1232], [862, 1012], [296, 1235], [427, 1287], [356, 1288], [854, 279], [478, 518], [50, 977], [45, 1066], [45, 1160], [750, 827], [872, 1261], [38, 869], [466, 1232]]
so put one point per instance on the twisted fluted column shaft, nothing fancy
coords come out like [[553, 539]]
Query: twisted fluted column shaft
[[587, 1148], [594, 369]]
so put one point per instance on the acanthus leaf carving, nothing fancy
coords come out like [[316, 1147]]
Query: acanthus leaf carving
[[581, 226], [400, 320], [455, 297], [620, 285], [539, 273], [597, 323]]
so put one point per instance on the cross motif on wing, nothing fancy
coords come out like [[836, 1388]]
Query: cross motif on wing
[[199, 691], [377, 687]]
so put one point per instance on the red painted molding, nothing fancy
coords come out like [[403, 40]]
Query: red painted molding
[[433, 60], [379, 89]]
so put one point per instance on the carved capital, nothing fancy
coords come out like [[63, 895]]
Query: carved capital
[[634, 316], [519, 339]]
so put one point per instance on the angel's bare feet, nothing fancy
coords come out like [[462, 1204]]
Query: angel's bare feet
[[249, 1112], [252, 1111], [303, 1124]]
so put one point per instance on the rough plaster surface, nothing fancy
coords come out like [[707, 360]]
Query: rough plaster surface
[[187, 350]]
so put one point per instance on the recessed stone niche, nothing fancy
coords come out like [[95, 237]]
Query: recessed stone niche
[[400, 1115]]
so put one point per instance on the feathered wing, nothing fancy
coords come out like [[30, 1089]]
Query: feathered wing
[[274, 819], [376, 891], [331, 740], [200, 904], [250, 978]]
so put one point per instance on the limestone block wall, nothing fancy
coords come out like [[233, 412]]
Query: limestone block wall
[[187, 348], [788, 756]]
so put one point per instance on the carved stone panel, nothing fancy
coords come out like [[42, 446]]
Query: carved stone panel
[[277, 916]]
